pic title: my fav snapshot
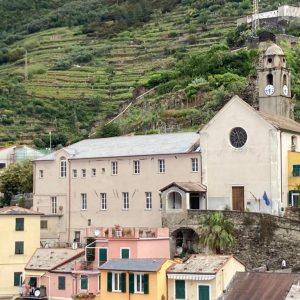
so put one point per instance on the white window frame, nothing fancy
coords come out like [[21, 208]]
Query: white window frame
[[53, 200], [83, 173], [103, 201], [41, 173], [125, 199], [114, 168], [292, 198], [209, 286], [136, 167], [63, 167], [195, 164], [148, 200], [74, 173], [94, 172], [83, 201], [161, 166], [139, 277], [124, 248], [116, 286]]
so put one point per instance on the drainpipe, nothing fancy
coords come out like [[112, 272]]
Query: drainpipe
[[280, 169], [69, 204]]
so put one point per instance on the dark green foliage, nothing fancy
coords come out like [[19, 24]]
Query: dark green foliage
[[109, 130], [238, 37]]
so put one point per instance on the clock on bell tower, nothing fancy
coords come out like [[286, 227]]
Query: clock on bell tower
[[274, 83]]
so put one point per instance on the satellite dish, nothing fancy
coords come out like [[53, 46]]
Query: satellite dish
[[37, 292], [97, 232]]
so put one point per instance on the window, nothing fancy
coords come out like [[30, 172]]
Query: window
[[84, 282], [54, 205], [114, 167], [94, 172], [61, 282], [125, 253], [103, 201], [74, 171], [41, 173], [102, 255], [160, 203], [116, 282], [139, 283], [83, 202], [161, 166], [19, 224], [293, 143], [296, 170], [63, 167], [136, 167], [125, 200], [17, 278], [89, 222], [180, 289], [195, 165], [83, 173], [148, 200], [19, 247], [44, 224], [203, 292], [270, 79]]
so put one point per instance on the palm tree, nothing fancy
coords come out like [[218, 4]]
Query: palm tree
[[217, 232]]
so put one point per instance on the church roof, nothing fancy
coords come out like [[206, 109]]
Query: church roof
[[282, 123], [274, 50]]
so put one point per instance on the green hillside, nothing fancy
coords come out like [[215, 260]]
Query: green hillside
[[77, 78]]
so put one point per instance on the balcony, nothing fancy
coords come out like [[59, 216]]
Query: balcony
[[85, 267]]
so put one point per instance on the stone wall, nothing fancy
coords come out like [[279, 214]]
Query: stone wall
[[260, 238]]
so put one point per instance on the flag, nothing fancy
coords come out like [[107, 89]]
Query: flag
[[266, 199]]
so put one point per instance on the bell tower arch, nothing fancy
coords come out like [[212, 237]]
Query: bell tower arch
[[274, 83]]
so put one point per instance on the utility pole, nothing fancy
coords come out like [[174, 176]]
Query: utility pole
[[26, 67], [255, 17]]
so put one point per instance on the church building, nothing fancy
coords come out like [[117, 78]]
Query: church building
[[246, 153]]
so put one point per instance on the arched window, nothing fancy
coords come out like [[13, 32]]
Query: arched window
[[270, 79], [293, 143], [174, 200], [63, 167], [284, 80]]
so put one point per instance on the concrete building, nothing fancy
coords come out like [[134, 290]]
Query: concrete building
[[19, 238], [109, 181], [202, 277]]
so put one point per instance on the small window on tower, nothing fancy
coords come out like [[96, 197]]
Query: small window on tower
[[284, 80], [270, 60], [270, 79]]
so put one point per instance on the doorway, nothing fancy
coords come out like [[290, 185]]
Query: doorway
[[238, 198]]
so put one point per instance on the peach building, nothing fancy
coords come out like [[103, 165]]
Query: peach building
[[102, 182]]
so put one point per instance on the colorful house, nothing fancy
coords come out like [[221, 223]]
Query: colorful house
[[294, 176], [134, 279], [202, 277], [60, 274], [19, 237]]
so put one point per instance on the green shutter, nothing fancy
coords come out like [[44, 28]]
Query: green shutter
[[290, 198], [131, 283], [17, 278], [84, 282], [19, 247], [123, 282], [19, 224], [179, 289], [109, 281], [61, 282], [296, 170], [146, 284], [203, 292], [125, 253], [102, 255]]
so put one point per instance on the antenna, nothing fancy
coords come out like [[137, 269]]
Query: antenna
[[255, 17]]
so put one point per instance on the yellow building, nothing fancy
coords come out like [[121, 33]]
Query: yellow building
[[134, 279], [202, 277], [19, 238], [294, 178]]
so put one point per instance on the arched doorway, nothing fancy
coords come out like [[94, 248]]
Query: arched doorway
[[174, 200]]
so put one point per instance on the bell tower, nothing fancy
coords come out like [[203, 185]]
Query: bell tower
[[274, 84]]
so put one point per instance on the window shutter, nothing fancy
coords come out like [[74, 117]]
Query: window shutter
[[102, 255], [146, 283], [109, 281], [61, 282], [19, 247], [17, 279], [131, 283], [123, 282], [290, 198], [204, 292], [19, 224], [125, 253], [180, 289]]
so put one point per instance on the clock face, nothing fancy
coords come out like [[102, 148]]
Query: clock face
[[285, 90], [238, 137], [269, 89]]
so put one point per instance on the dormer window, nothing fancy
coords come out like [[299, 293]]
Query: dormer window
[[63, 167]]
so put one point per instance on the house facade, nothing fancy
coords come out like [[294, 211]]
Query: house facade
[[202, 277], [110, 181], [19, 237]]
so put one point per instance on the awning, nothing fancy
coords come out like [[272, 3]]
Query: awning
[[197, 277]]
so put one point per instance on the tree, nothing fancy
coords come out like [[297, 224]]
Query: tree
[[17, 178], [217, 232], [108, 130]]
